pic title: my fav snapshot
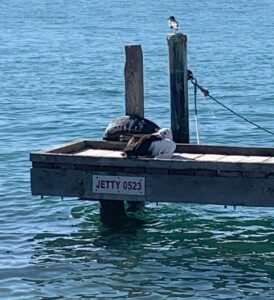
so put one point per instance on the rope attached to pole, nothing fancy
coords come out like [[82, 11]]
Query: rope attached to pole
[[207, 94], [194, 81]]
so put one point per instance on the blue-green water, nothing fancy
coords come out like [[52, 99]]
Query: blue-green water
[[61, 78]]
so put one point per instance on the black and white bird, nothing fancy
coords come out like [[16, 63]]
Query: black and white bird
[[157, 145], [173, 24]]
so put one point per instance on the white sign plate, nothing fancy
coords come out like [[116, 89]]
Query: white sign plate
[[123, 185]]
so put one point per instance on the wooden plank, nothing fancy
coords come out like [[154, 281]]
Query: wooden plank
[[225, 150], [229, 174], [232, 158], [117, 154], [106, 145], [174, 164], [181, 148], [209, 157], [56, 156], [216, 190], [160, 188], [269, 160], [254, 159], [254, 174], [186, 156], [94, 152], [51, 182], [196, 149], [70, 147], [134, 85], [73, 183]]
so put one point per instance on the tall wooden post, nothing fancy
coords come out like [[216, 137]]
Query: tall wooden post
[[134, 82], [134, 92], [112, 211], [177, 44]]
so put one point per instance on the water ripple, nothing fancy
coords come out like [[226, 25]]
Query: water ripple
[[61, 78]]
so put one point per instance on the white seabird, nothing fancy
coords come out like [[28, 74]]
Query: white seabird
[[157, 145], [173, 24]]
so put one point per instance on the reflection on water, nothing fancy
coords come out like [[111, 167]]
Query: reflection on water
[[178, 252]]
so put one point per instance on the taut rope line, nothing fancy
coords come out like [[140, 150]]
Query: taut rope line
[[207, 94]]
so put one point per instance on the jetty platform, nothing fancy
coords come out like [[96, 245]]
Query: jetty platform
[[205, 174]]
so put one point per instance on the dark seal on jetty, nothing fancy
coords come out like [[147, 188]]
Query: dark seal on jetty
[[158, 145], [129, 125]]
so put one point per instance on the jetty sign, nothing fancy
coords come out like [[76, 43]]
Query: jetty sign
[[124, 185]]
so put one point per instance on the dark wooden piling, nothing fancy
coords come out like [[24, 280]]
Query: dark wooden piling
[[177, 44], [134, 82], [134, 94], [113, 212]]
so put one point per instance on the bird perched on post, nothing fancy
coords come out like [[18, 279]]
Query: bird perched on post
[[158, 145], [173, 24]]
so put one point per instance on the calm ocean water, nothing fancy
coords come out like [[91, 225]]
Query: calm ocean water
[[61, 78]]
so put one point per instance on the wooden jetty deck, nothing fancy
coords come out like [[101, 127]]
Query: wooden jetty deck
[[204, 174]]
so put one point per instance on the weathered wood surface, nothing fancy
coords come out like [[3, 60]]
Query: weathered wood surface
[[79, 145], [177, 44], [134, 81], [180, 161], [161, 188], [187, 177]]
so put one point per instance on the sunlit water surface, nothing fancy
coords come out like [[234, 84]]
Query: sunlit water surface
[[61, 78]]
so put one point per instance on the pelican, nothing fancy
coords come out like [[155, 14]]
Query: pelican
[[157, 145]]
